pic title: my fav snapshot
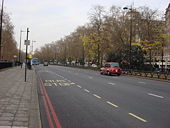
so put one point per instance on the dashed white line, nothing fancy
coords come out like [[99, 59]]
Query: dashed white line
[[12, 127], [137, 117], [112, 83], [114, 105], [151, 94], [115, 77], [60, 76], [90, 77], [79, 86], [140, 82], [86, 90], [97, 96]]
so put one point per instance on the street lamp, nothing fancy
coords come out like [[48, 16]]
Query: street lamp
[[19, 54], [1, 30], [130, 39], [27, 42]]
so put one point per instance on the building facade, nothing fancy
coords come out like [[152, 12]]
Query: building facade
[[167, 46]]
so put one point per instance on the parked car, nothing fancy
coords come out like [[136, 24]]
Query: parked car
[[159, 70], [94, 65], [45, 63], [111, 68]]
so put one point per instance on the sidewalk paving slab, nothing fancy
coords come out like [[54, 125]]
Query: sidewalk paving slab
[[19, 107]]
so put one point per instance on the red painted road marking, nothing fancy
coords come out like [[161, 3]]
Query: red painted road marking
[[57, 123], [46, 109]]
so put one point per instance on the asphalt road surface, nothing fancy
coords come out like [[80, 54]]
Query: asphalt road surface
[[77, 98]]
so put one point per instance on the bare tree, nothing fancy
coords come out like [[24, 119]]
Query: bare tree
[[9, 45]]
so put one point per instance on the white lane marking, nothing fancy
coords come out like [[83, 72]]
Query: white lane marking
[[90, 77], [86, 90], [137, 117], [12, 127], [112, 83], [97, 96], [56, 74], [115, 77], [60, 76], [76, 73], [79, 86], [151, 94], [140, 82], [112, 104]]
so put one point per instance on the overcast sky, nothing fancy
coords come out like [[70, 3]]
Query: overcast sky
[[50, 20]]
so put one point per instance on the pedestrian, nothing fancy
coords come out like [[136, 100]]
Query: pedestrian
[[29, 64]]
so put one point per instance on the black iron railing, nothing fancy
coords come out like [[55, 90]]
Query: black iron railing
[[4, 64], [151, 74]]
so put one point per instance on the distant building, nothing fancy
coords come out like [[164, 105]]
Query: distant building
[[166, 57], [167, 47], [139, 24]]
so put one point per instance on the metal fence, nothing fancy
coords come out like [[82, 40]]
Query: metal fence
[[5, 64], [158, 75]]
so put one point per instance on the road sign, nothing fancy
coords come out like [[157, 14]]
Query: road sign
[[29, 56], [27, 42]]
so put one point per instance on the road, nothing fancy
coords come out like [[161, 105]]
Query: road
[[77, 98]]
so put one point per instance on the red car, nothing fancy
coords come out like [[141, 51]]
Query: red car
[[111, 68]]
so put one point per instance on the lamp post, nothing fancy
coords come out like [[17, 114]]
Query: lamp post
[[27, 42], [1, 30], [19, 54], [130, 36]]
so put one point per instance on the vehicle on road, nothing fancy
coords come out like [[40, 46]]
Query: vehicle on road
[[94, 65], [45, 63], [159, 70], [111, 68], [35, 61]]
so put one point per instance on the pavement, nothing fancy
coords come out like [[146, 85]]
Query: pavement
[[19, 106]]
